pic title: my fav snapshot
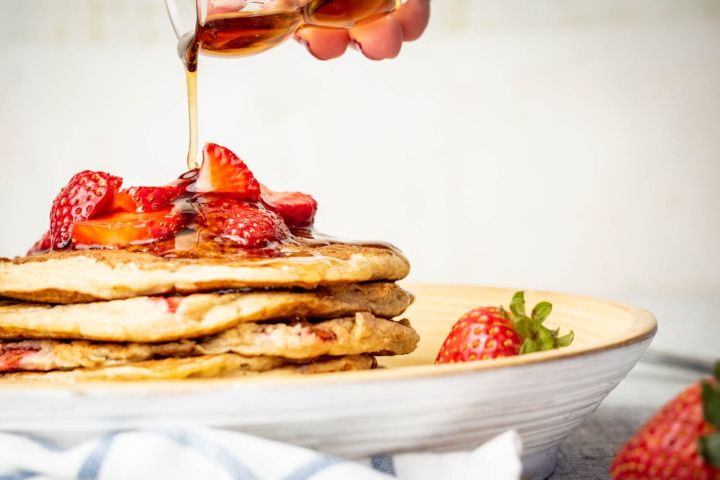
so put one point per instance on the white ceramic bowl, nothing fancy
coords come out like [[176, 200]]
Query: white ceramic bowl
[[411, 406]]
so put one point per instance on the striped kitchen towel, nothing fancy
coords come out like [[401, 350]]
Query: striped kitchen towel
[[201, 453]]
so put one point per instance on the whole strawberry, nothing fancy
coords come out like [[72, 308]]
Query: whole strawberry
[[492, 332], [681, 442]]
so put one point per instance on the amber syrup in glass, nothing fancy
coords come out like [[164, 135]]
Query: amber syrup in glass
[[346, 13]]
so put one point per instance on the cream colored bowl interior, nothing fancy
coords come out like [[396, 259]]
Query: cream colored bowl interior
[[598, 324]]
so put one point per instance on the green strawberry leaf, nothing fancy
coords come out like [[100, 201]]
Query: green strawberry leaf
[[528, 346], [517, 305], [565, 340], [523, 326], [711, 403], [536, 337], [709, 448], [545, 338], [541, 311]]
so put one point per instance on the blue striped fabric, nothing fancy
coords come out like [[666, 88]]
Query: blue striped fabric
[[210, 449], [23, 475], [90, 469], [384, 464], [240, 456], [92, 464]]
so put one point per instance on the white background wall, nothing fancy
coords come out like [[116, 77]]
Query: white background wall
[[570, 145]]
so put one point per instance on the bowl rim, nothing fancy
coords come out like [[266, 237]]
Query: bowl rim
[[644, 328]]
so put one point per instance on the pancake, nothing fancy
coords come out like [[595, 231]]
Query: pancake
[[298, 340], [363, 333], [208, 366], [75, 276], [161, 319]]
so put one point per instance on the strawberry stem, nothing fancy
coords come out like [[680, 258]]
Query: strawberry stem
[[711, 399], [709, 445], [536, 337]]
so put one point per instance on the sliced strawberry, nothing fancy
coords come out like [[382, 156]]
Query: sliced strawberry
[[223, 172], [151, 199], [123, 202], [124, 229], [88, 194], [240, 222], [41, 245], [297, 209], [144, 199]]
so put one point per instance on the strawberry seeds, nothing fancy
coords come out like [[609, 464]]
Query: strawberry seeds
[[221, 204]]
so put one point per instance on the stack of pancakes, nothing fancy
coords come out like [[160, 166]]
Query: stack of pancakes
[[119, 315]]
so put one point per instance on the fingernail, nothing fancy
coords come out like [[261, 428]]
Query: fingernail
[[301, 40], [355, 45], [358, 46]]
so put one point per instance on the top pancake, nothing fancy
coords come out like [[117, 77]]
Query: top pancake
[[77, 276]]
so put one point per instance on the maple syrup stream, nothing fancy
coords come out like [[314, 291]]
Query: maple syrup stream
[[236, 35]]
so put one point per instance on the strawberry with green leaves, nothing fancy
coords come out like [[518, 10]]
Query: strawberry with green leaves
[[681, 442], [492, 332]]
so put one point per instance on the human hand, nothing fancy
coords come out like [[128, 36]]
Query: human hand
[[377, 40]]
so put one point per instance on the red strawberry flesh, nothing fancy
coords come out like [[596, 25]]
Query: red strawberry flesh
[[145, 199], [125, 229], [297, 209], [88, 194], [12, 354], [41, 245], [151, 199], [241, 223], [220, 204], [224, 172]]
